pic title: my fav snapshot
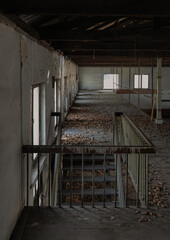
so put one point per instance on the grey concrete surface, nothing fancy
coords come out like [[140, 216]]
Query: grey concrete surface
[[91, 78], [93, 224], [24, 62], [111, 223]]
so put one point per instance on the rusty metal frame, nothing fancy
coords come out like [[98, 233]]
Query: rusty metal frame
[[88, 149], [138, 131]]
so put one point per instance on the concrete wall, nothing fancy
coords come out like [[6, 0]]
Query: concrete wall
[[10, 129], [91, 78], [23, 63]]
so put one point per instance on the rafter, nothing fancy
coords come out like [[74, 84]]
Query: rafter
[[54, 34], [113, 46], [88, 7]]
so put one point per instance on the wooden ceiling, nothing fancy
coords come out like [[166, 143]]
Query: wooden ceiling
[[98, 32]]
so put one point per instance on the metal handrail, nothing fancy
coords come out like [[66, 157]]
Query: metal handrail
[[117, 150], [88, 149]]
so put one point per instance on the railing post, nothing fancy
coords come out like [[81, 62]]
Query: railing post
[[49, 179], [104, 190], [71, 179], [127, 180], [138, 178], [27, 179], [60, 182], [115, 180], [93, 166], [38, 201], [146, 181], [82, 182]]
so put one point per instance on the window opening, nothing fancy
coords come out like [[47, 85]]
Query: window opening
[[141, 81], [111, 81]]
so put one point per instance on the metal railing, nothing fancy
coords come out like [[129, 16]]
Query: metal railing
[[129, 153], [82, 191], [136, 165], [116, 151]]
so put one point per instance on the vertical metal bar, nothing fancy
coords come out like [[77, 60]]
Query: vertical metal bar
[[27, 179], [115, 179], [71, 179], [113, 132], [127, 180], [121, 79], [82, 182], [146, 181], [38, 180], [60, 183], [152, 81], [141, 82], [104, 189], [93, 180], [143, 177], [129, 79], [138, 177], [49, 181]]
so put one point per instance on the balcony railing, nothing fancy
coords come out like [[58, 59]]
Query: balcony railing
[[129, 162]]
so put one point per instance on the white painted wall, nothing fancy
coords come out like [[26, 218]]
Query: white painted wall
[[23, 63], [91, 78]]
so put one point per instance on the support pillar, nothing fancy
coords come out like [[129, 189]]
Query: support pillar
[[159, 119]]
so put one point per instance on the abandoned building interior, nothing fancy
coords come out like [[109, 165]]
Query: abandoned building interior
[[85, 120]]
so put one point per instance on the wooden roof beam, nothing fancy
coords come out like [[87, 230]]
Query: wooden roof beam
[[88, 7]]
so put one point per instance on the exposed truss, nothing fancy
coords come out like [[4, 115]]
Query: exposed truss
[[112, 29]]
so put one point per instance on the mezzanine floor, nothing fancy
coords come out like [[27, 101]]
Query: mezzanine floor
[[108, 223]]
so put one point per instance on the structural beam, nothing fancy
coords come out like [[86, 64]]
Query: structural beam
[[136, 91], [87, 149], [88, 7], [52, 33], [116, 45], [115, 59]]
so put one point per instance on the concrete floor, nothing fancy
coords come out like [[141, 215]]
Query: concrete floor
[[102, 104], [93, 224], [110, 223]]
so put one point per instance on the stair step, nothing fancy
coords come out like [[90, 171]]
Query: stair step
[[97, 192], [97, 157], [89, 204], [89, 167], [97, 179]]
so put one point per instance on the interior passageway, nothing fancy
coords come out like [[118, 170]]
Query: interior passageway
[[108, 223], [90, 119]]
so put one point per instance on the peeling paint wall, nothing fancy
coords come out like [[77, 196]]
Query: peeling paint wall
[[23, 64]]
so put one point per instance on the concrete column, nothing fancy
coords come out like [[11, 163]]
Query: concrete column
[[159, 119]]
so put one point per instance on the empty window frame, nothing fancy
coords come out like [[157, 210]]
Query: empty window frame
[[141, 81], [38, 116], [111, 81], [65, 94], [55, 101], [35, 117], [38, 136], [56, 98]]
